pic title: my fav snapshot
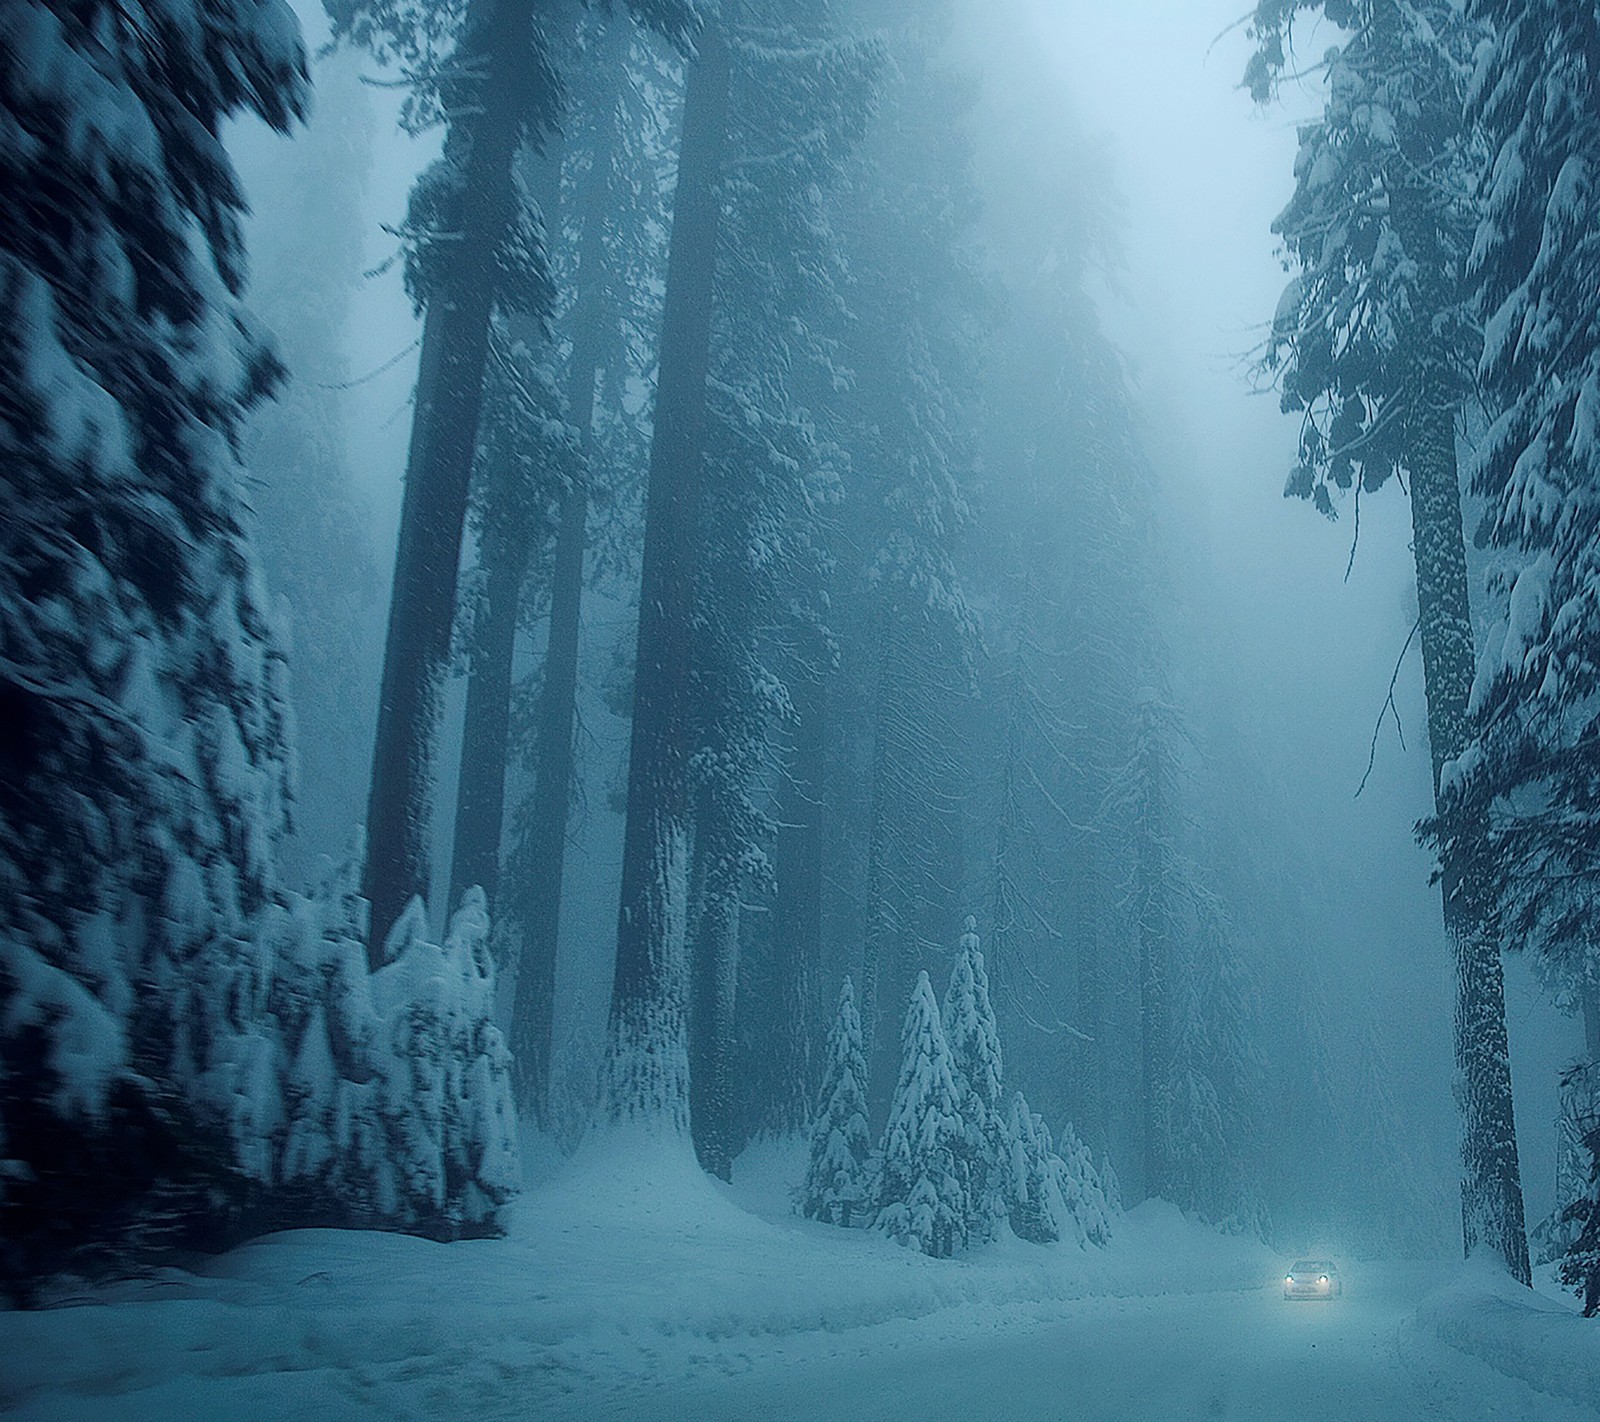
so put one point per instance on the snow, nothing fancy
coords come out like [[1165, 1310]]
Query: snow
[[633, 1285]]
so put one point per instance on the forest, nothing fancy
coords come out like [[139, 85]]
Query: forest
[[651, 649]]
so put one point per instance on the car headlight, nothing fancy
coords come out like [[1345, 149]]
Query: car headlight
[[1323, 1281], [1289, 1280]]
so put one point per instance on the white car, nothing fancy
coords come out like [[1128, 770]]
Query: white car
[[1312, 1279]]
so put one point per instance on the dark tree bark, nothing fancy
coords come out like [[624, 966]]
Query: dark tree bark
[[486, 734], [647, 1063], [444, 435], [533, 1011], [1491, 1187], [715, 966]]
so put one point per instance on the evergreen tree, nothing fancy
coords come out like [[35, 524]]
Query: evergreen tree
[[647, 1068], [1373, 340], [476, 248], [1054, 1194], [144, 765], [923, 1201], [799, 101], [839, 1185], [1531, 768], [969, 1028]]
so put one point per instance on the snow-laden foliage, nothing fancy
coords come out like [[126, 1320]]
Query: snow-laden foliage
[[1377, 232], [839, 1183], [969, 1028], [1054, 1192], [395, 1091], [144, 765], [1533, 764], [922, 1196]]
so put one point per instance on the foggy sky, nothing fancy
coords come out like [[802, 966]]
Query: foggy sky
[[1264, 619]]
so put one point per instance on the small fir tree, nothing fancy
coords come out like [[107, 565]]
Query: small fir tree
[[923, 1201], [839, 1180], [969, 1028]]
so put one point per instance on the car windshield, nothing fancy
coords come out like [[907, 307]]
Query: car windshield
[[1311, 1266]]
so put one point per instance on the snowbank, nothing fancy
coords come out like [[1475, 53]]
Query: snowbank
[[1537, 1338], [628, 1266]]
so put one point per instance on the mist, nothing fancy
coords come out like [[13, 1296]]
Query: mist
[[808, 752]]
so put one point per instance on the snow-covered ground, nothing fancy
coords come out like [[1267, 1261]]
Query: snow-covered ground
[[633, 1287]]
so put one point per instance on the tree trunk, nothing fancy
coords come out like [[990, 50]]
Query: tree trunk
[[486, 734], [647, 1063], [1491, 1187], [444, 435], [716, 976], [533, 1011]]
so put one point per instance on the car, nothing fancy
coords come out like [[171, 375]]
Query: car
[[1312, 1279]]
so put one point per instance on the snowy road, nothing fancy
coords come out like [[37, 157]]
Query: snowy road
[[1244, 1354], [650, 1294]]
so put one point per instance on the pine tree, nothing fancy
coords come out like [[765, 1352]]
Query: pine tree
[[1531, 767], [1373, 339], [647, 1069], [1054, 1194], [839, 1185], [922, 1196], [476, 249], [976, 1061], [144, 764]]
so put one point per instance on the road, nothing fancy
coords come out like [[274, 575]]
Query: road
[[1237, 1355]]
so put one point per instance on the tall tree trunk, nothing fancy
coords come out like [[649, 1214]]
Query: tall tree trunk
[[444, 435], [486, 734], [646, 1061], [533, 1012], [716, 977], [505, 553], [1491, 1187]]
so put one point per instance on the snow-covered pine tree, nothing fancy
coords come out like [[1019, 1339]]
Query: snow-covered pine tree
[[1532, 766], [144, 764], [1053, 1194], [1031, 1189], [1373, 343], [396, 1107], [922, 1196], [979, 1069], [839, 1185]]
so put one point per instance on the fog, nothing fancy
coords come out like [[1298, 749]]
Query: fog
[[1287, 626], [778, 776]]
